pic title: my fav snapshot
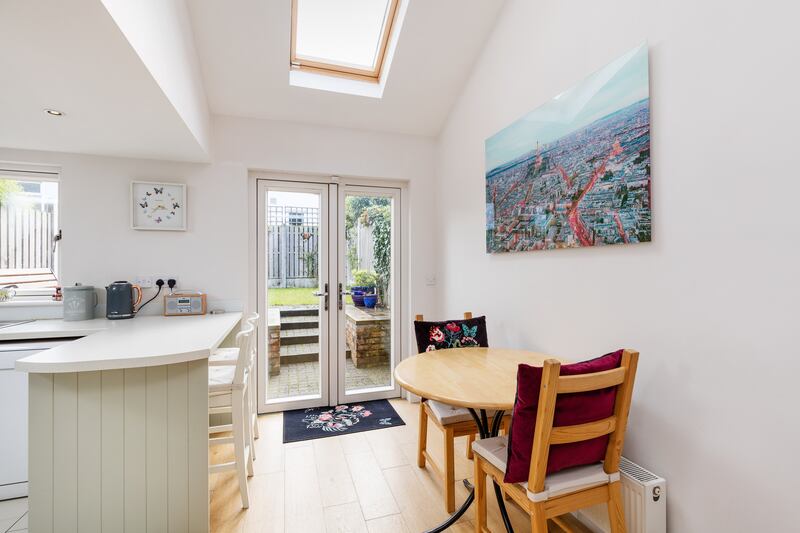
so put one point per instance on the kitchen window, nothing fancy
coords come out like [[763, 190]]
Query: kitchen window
[[29, 231]]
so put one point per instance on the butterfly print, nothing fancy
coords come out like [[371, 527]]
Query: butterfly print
[[158, 220], [469, 332], [159, 190], [148, 193], [452, 335], [175, 205], [172, 213], [143, 204]]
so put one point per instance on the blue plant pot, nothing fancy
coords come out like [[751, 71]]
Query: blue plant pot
[[358, 297], [370, 300]]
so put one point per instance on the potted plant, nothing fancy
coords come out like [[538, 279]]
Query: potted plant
[[357, 294], [370, 300], [365, 282]]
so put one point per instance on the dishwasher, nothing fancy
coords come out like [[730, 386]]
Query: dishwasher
[[14, 415]]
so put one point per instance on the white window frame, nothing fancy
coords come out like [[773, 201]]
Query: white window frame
[[24, 172]]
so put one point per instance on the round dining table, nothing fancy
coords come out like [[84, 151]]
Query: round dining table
[[478, 379]]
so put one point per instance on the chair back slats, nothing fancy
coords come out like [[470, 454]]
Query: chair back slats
[[544, 425], [546, 435], [589, 382], [244, 341], [622, 407], [579, 432]]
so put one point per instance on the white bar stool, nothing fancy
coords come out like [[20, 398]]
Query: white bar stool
[[229, 356], [228, 391]]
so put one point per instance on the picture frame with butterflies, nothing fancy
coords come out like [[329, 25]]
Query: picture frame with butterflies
[[158, 206]]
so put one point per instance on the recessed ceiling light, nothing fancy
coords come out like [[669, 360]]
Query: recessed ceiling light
[[54, 112]]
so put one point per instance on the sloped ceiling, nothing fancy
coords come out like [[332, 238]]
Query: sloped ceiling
[[141, 79], [243, 47], [73, 57]]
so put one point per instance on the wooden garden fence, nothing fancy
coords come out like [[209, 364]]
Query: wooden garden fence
[[26, 237]]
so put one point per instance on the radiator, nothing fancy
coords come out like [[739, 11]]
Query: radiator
[[644, 495]]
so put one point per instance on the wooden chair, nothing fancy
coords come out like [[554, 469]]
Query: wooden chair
[[543, 496], [453, 422]]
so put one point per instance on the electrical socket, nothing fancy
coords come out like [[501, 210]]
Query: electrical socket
[[165, 277], [145, 282]]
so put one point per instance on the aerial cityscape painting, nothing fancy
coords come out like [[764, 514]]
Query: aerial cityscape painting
[[575, 171]]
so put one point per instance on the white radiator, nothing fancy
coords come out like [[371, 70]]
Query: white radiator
[[645, 497]]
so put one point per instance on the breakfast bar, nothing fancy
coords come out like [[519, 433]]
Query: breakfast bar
[[118, 424]]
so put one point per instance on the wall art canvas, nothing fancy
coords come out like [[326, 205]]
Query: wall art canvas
[[575, 172]]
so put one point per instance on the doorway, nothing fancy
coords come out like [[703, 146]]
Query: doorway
[[328, 293]]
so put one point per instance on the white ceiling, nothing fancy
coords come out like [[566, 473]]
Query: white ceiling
[[73, 57], [243, 47]]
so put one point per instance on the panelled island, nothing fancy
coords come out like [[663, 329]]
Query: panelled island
[[118, 422]]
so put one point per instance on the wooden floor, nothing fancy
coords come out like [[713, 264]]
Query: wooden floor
[[362, 482]]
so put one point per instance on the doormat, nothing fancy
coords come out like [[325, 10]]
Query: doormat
[[321, 422]]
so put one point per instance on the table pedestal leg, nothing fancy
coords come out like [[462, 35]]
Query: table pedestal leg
[[485, 432]]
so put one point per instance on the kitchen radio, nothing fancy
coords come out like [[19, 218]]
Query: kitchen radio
[[185, 303]]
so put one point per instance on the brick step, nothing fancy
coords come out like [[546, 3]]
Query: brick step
[[299, 336], [299, 353], [299, 322], [310, 310]]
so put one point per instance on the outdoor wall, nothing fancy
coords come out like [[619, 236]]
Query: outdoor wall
[[711, 303]]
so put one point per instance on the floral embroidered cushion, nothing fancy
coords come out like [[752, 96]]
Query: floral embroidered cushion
[[451, 334]]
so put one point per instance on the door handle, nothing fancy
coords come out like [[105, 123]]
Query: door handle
[[325, 294], [342, 294]]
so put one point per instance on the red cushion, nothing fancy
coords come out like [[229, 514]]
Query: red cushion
[[571, 409]]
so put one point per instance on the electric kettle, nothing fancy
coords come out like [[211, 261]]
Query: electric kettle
[[120, 300]]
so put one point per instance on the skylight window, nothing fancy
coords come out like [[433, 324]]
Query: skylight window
[[342, 37]]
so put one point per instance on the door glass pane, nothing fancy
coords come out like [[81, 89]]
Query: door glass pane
[[368, 311], [293, 261]]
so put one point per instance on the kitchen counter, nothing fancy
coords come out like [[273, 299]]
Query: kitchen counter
[[50, 329], [118, 422], [114, 344]]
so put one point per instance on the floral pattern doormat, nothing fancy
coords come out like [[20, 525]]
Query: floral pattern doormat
[[321, 422]]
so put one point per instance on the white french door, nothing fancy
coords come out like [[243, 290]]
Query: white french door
[[328, 293]]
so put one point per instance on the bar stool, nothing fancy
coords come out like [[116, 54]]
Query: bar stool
[[229, 356], [228, 391]]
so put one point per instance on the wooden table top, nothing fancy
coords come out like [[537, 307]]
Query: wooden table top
[[480, 378]]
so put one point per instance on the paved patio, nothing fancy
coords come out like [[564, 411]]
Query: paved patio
[[300, 379]]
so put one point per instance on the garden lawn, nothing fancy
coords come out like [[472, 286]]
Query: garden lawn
[[288, 297]]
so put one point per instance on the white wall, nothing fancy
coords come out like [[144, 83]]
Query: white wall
[[161, 34], [325, 150], [99, 245], [711, 303]]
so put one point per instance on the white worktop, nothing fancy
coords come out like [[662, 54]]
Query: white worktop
[[114, 344], [51, 329]]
